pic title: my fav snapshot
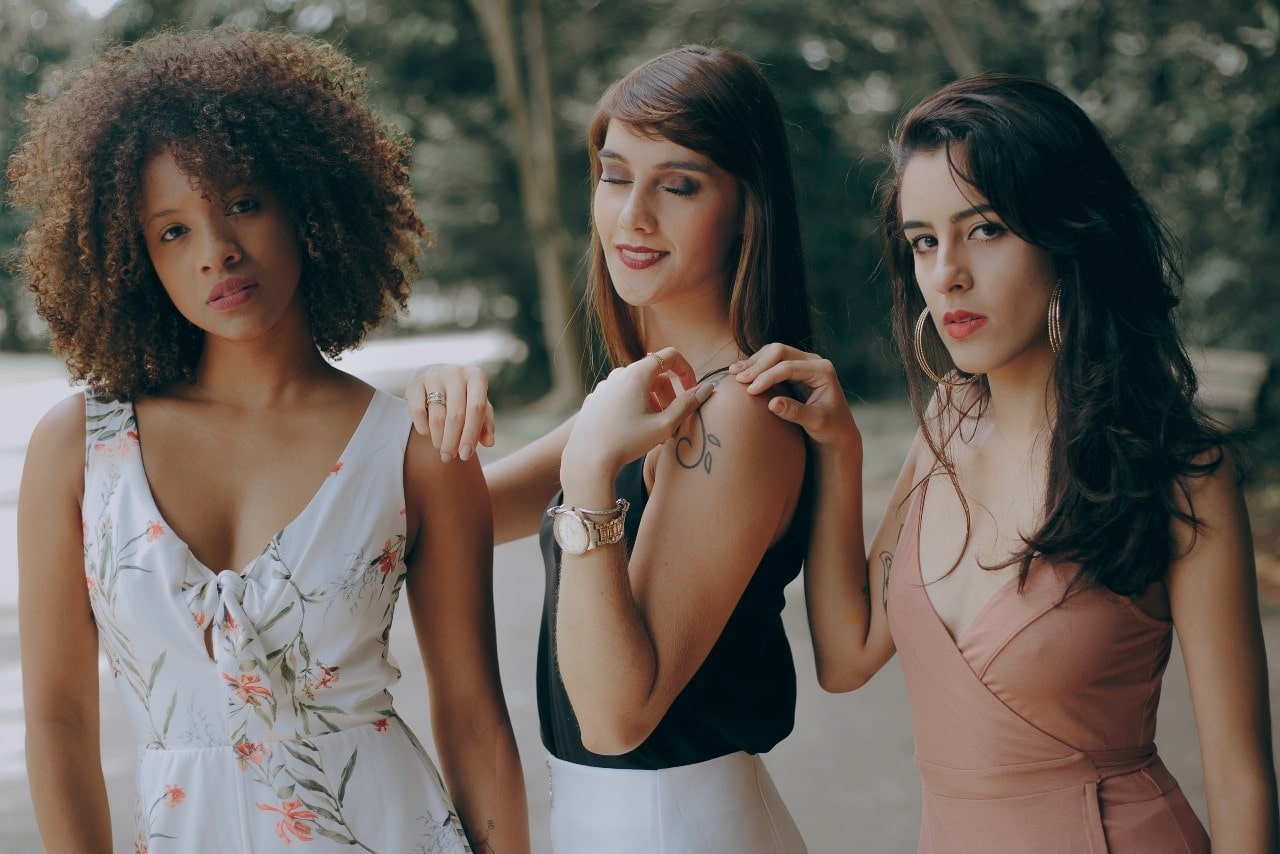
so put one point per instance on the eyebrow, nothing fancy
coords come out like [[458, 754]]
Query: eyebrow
[[157, 215], [954, 218], [687, 165]]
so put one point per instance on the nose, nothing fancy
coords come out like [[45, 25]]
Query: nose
[[637, 213], [221, 248], [951, 269]]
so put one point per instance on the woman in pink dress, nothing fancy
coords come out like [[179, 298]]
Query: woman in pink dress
[[1064, 507]]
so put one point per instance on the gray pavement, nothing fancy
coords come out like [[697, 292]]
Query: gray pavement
[[846, 771]]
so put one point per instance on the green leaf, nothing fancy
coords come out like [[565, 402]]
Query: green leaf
[[155, 671], [303, 758], [280, 615], [346, 776]]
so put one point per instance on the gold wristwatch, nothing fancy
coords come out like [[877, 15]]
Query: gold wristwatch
[[578, 530]]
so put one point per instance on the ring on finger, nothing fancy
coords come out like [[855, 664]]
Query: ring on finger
[[662, 366], [435, 397]]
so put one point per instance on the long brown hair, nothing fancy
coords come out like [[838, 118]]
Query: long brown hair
[[715, 102], [1127, 431]]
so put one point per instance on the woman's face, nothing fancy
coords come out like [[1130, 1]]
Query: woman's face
[[230, 262], [987, 289], [668, 219]]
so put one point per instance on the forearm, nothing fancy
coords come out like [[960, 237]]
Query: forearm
[[486, 784], [843, 595], [1243, 818], [68, 791]]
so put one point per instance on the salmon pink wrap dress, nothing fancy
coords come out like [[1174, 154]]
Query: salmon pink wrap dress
[[1034, 731]]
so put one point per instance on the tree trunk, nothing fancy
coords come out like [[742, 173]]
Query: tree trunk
[[533, 145], [959, 53]]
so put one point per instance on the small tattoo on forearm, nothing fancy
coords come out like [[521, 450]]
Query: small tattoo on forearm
[[866, 595], [886, 560]]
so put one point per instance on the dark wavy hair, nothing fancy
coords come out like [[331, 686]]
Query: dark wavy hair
[[1128, 432], [716, 102], [232, 107]]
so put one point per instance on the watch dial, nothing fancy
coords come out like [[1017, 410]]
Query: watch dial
[[570, 533]]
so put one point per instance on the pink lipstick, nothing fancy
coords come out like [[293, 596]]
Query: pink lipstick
[[231, 293]]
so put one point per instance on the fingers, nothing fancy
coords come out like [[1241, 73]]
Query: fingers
[[763, 359], [685, 404], [477, 417], [450, 404], [812, 372], [669, 360]]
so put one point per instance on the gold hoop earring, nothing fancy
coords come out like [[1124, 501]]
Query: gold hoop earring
[[924, 365], [1055, 318]]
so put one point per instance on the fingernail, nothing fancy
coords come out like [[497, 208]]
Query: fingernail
[[464, 453], [444, 458], [703, 392]]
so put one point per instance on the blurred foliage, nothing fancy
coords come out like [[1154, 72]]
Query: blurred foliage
[[1189, 93]]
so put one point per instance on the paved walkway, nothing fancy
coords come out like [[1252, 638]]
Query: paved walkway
[[846, 771]]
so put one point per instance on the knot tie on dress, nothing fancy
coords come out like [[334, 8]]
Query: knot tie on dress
[[231, 584]]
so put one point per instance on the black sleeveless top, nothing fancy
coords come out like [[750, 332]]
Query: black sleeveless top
[[742, 698]]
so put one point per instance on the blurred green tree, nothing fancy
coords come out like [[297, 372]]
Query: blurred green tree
[[1189, 95]]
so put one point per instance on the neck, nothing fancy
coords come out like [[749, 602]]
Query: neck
[[265, 372], [706, 342], [1023, 400]]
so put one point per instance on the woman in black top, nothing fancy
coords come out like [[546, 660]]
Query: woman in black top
[[663, 668]]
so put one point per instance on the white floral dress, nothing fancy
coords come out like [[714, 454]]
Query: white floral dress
[[287, 736]]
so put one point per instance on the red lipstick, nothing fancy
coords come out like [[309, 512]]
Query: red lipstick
[[639, 257], [962, 324]]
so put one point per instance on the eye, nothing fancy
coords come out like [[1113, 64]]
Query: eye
[[681, 187], [607, 177], [987, 231], [172, 233], [922, 243], [244, 204]]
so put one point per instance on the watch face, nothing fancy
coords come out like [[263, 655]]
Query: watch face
[[571, 533]]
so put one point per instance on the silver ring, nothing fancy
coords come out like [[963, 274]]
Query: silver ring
[[435, 397], [662, 366]]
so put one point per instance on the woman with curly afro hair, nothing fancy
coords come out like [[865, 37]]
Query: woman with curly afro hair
[[229, 515]]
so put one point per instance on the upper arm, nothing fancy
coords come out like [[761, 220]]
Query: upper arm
[[58, 635], [522, 483], [725, 488], [450, 579], [884, 547], [1213, 599]]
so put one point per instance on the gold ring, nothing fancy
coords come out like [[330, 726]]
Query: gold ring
[[662, 366], [435, 397]]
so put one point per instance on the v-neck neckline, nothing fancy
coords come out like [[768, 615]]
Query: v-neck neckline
[[246, 570], [957, 640]]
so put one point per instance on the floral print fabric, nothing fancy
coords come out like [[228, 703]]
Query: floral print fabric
[[286, 738]]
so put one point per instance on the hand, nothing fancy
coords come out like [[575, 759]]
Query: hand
[[633, 410], [824, 414], [463, 419]]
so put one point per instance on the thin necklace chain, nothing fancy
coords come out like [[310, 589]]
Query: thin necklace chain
[[710, 359]]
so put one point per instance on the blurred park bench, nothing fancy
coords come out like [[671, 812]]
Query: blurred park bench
[[1231, 383]]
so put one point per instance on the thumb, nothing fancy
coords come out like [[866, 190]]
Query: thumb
[[687, 403], [789, 410]]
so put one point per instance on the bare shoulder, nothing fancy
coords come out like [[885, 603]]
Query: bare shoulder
[[60, 434], [740, 444], [732, 404]]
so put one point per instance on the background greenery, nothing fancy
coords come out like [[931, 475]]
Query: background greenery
[[1189, 91]]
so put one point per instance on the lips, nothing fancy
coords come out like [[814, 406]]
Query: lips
[[962, 324], [231, 293], [639, 257]]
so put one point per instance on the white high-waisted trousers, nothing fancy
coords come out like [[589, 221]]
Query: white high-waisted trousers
[[727, 805]]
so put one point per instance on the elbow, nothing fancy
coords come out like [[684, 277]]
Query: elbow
[[840, 680]]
